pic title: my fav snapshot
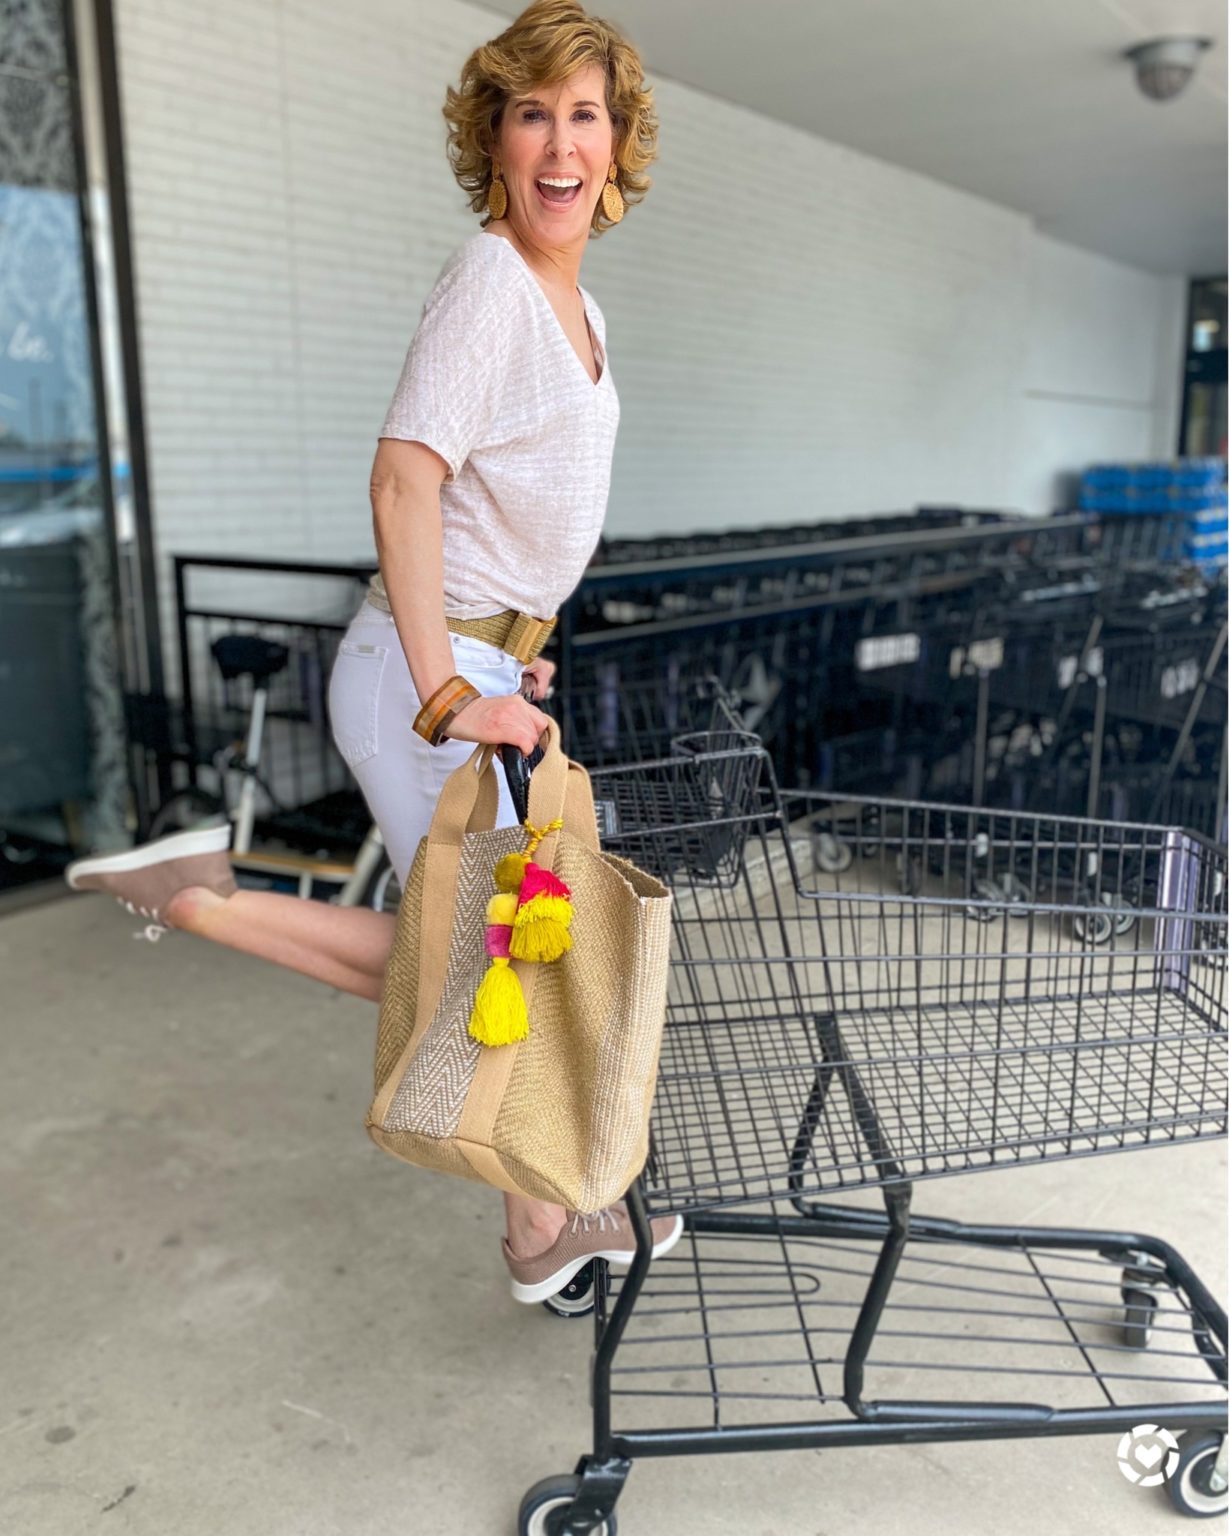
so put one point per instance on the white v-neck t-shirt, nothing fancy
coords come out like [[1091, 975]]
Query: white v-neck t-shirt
[[493, 385]]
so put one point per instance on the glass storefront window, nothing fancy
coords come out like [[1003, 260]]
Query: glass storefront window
[[62, 772], [1208, 315]]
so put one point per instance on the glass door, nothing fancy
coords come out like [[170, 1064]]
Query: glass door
[[1203, 432], [63, 773]]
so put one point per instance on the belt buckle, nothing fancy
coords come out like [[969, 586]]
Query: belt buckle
[[525, 634]]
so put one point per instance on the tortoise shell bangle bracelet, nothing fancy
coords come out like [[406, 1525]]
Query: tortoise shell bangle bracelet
[[442, 708]]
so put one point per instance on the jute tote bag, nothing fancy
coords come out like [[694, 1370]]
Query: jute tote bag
[[562, 1114]]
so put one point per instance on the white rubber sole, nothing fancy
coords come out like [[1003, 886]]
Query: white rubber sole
[[617, 1258], [180, 845]]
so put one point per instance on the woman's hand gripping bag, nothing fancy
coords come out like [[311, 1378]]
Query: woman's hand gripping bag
[[525, 996]]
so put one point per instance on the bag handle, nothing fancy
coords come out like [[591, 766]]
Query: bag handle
[[579, 812], [579, 815], [469, 800], [557, 789]]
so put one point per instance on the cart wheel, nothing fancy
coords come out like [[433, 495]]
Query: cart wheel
[[1141, 1307], [832, 854], [1122, 914], [1195, 1489], [1009, 892], [189, 808], [1093, 927], [1017, 893], [986, 889], [542, 1509], [1125, 917], [576, 1299]]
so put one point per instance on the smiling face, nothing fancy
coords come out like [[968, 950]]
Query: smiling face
[[554, 148]]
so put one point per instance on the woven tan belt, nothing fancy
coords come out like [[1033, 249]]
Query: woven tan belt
[[517, 634]]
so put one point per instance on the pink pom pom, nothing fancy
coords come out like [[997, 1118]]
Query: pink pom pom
[[540, 882], [497, 938]]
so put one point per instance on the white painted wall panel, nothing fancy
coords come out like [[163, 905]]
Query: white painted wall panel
[[796, 330]]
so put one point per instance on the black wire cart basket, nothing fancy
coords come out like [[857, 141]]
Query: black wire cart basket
[[831, 1030]]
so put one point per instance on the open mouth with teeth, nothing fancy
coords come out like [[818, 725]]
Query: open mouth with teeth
[[559, 191]]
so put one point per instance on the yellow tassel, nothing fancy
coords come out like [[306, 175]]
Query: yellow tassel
[[501, 910], [510, 871], [499, 1015], [541, 929]]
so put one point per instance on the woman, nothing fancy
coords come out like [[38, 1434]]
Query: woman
[[488, 493]]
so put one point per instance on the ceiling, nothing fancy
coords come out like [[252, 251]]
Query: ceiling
[[1025, 102]]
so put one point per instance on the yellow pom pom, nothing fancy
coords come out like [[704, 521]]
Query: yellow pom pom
[[501, 910], [541, 929], [499, 1016], [510, 871]]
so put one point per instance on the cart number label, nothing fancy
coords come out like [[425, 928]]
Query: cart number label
[[1067, 666], [607, 814], [981, 656], [1180, 678], [878, 651]]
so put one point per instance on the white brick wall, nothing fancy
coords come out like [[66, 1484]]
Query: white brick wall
[[856, 338]]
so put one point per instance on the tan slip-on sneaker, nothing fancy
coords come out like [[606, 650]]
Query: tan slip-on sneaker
[[606, 1234], [144, 879]]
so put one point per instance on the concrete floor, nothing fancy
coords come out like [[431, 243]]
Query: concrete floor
[[226, 1314]]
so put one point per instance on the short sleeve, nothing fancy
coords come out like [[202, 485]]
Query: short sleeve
[[447, 394]]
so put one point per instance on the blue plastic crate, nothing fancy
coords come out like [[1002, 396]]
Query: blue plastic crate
[[1208, 550], [1165, 486], [1209, 520], [1193, 474]]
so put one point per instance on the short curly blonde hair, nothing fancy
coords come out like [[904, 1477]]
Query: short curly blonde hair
[[545, 45]]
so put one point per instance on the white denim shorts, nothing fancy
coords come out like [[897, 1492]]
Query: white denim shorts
[[372, 705]]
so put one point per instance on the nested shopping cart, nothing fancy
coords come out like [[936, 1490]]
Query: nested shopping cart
[[622, 710], [830, 1034], [1166, 688]]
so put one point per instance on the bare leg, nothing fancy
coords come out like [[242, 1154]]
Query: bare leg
[[343, 947]]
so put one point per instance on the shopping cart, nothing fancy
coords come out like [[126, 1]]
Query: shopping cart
[[625, 709], [1139, 734], [828, 1033], [775, 615]]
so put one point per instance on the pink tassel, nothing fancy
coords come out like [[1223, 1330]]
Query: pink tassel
[[541, 882], [497, 938]]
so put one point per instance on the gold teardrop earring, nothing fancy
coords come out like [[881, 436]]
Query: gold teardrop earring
[[612, 198], [497, 194]]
